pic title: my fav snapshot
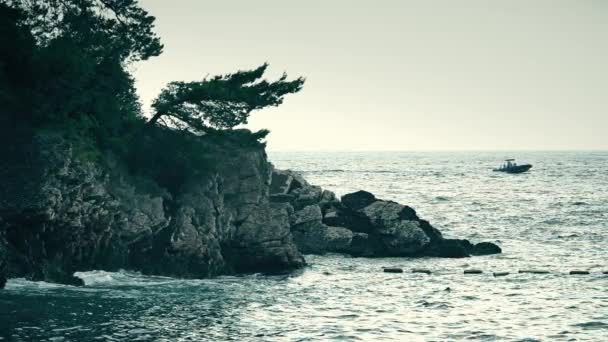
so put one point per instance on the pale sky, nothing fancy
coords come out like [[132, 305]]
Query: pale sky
[[403, 75]]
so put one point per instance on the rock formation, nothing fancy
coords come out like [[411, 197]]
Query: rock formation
[[361, 225], [60, 214]]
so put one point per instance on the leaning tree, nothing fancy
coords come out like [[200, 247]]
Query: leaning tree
[[220, 102]]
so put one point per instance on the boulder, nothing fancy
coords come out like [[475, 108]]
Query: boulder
[[338, 239], [376, 227], [358, 200], [399, 233], [308, 214], [312, 236], [449, 248], [485, 248], [321, 239]]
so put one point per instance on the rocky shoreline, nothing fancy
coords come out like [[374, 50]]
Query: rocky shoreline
[[361, 225], [60, 214]]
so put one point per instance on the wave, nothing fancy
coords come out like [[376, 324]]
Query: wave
[[122, 278]]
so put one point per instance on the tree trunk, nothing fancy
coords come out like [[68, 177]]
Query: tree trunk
[[155, 118]]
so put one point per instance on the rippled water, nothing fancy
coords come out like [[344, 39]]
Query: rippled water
[[554, 218]]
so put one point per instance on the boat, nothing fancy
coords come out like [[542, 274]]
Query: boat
[[510, 166]]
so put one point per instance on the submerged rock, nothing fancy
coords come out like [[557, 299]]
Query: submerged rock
[[485, 248], [421, 270], [579, 272], [473, 271]]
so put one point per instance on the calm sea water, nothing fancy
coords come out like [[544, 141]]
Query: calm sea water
[[553, 218]]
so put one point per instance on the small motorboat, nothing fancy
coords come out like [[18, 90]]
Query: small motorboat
[[510, 166]]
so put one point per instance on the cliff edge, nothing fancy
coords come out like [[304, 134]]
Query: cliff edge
[[60, 214]]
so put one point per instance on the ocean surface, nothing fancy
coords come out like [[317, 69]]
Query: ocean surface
[[553, 218]]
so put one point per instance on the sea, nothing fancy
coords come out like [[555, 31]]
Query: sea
[[553, 218]]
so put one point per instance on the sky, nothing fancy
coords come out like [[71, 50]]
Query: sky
[[402, 75]]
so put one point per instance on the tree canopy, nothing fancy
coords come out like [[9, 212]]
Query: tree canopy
[[102, 28], [220, 102], [64, 66], [60, 82]]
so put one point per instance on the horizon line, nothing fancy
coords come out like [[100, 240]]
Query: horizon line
[[439, 150]]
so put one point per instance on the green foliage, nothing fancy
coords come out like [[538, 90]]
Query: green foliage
[[64, 67], [102, 28], [91, 99], [220, 102], [16, 50], [170, 157]]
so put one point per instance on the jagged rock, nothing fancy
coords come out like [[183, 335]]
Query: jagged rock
[[306, 196], [311, 213], [378, 227], [321, 239], [281, 183], [60, 214], [338, 239], [353, 220], [400, 233], [312, 236], [358, 200], [328, 197]]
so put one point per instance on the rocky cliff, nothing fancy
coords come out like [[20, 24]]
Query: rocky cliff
[[59, 214]]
